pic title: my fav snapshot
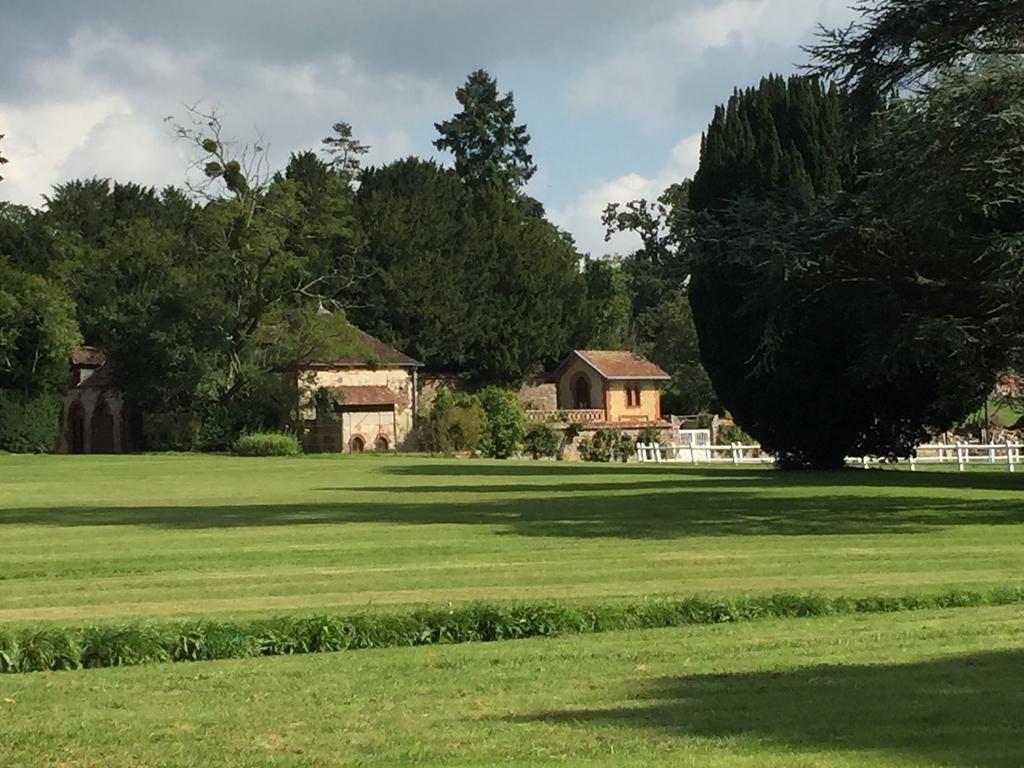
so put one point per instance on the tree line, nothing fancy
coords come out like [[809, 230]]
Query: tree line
[[204, 296]]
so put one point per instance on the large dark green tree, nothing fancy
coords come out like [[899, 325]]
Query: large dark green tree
[[413, 214], [858, 308], [488, 146], [466, 272], [779, 352], [463, 278]]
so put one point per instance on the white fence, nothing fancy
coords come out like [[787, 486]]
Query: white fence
[[961, 454], [652, 453]]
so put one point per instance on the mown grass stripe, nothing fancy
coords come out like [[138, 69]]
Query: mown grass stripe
[[113, 645]]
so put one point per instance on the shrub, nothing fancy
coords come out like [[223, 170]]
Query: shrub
[[454, 424], [649, 436], [50, 649], [29, 425], [122, 646], [541, 441], [212, 640], [730, 433], [504, 423], [607, 445], [267, 444], [172, 431]]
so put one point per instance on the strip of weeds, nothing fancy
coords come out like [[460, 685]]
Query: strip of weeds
[[115, 645]]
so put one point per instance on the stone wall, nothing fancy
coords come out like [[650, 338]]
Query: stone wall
[[538, 395]]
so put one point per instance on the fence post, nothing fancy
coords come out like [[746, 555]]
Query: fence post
[[960, 456], [693, 454], [658, 458], [992, 453], [913, 462], [1009, 456], [735, 453]]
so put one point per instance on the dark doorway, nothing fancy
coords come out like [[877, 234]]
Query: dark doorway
[[102, 429], [76, 429], [357, 444], [381, 444], [581, 393]]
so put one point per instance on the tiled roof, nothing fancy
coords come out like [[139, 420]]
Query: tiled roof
[[620, 364], [381, 354], [366, 395], [90, 356]]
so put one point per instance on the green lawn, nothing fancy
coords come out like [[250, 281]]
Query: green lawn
[[96, 538], [917, 689]]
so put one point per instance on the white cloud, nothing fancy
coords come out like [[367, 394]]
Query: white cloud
[[41, 136], [643, 73], [583, 216], [97, 108], [744, 22]]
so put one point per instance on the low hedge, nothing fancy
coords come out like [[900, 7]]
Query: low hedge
[[138, 643], [267, 444]]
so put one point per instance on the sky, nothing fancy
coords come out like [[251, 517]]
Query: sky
[[615, 94]]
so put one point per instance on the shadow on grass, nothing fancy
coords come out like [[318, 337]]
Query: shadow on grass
[[963, 710], [980, 478], [641, 510]]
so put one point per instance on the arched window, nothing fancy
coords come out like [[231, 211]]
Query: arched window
[[381, 444], [356, 444], [581, 393]]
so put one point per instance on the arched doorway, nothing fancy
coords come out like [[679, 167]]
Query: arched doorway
[[381, 444], [75, 428], [357, 444], [581, 393], [102, 428]]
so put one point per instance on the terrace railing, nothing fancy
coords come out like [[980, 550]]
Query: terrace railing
[[575, 416], [961, 454]]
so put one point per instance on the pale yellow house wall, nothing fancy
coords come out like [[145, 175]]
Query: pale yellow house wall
[[618, 403], [566, 379], [398, 380]]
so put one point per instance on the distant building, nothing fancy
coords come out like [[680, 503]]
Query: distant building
[[364, 402], [95, 417], [610, 387]]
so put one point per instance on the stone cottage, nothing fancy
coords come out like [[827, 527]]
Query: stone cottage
[[361, 402]]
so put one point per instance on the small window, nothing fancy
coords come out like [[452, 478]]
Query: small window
[[633, 397]]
